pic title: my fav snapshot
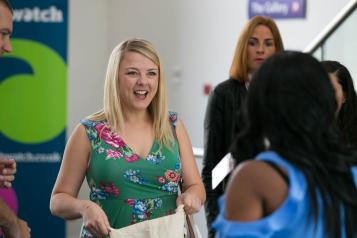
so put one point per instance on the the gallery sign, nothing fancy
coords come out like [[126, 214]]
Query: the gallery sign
[[277, 9]]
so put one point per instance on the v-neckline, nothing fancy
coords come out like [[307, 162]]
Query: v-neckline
[[127, 145], [134, 153]]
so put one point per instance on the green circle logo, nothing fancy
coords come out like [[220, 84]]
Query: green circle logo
[[33, 106]]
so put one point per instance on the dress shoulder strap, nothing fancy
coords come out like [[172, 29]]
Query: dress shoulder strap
[[278, 170], [92, 128], [173, 118]]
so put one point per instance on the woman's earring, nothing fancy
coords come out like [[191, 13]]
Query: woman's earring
[[266, 143]]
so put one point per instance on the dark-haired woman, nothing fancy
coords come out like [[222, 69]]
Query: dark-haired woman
[[302, 180], [346, 98]]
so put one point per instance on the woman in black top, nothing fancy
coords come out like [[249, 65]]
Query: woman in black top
[[259, 39]]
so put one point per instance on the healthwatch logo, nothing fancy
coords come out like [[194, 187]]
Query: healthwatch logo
[[33, 104], [35, 14]]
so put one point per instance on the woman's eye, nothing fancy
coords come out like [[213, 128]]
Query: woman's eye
[[132, 73], [4, 34], [152, 73], [251, 43], [269, 43]]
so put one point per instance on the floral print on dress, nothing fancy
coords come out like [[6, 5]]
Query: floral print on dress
[[178, 166], [143, 208], [104, 191], [134, 176], [169, 182], [131, 158], [115, 141], [91, 133], [86, 234], [113, 154], [108, 136], [155, 158], [171, 187], [161, 179], [99, 132], [173, 118], [100, 150], [172, 176], [153, 180]]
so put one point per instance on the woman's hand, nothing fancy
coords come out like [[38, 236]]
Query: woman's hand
[[95, 220], [192, 204], [18, 230], [7, 171]]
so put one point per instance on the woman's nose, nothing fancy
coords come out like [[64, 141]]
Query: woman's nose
[[260, 48], [141, 79]]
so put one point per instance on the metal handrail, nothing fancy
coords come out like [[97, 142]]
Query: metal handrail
[[198, 152], [331, 27]]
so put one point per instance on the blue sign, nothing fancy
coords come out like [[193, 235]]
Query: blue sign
[[277, 9], [33, 82]]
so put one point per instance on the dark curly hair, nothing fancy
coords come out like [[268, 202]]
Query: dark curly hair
[[291, 102], [347, 117]]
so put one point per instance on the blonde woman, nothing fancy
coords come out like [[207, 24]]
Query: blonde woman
[[133, 152]]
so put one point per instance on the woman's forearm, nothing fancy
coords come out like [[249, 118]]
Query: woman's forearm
[[197, 190], [7, 217], [66, 206]]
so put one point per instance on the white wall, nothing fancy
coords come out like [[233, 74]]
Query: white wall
[[88, 34], [196, 40]]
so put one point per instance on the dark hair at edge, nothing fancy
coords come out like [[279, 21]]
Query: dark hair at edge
[[7, 4], [291, 102], [347, 117]]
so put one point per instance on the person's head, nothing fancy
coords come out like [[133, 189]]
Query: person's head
[[5, 26], [342, 80], [291, 103], [134, 81], [259, 39], [346, 98], [283, 104]]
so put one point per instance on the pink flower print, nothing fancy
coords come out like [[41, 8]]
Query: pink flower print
[[99, 127], [130, 201], [132, 158], [144, 216], [171, 175], [161, 179], [110, 189], [113, 154], [109, 137], [113, 140]]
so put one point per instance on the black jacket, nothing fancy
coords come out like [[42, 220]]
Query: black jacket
[[220, 127]]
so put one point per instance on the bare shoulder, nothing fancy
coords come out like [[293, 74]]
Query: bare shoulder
[[79, 131], [78, 138], [181, 132], [250, 174], [254, 190]]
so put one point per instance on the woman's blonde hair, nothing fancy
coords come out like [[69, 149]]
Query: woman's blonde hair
[[112, 111], [239, 67]]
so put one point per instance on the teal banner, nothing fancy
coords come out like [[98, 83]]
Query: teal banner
[[33, 81]]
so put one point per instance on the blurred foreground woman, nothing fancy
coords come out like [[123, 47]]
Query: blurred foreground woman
[[302, 180]]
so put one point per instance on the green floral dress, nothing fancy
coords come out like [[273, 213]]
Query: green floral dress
[[129, 188]]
